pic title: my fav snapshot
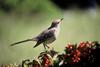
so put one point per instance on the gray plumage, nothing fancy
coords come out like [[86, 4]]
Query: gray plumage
[[47, 36]]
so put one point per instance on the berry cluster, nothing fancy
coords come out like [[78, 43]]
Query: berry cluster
[[82, 54]]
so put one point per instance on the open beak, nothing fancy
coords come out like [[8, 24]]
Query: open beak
[[61, 19]]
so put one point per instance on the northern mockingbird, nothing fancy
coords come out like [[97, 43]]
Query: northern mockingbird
[[47, 36]]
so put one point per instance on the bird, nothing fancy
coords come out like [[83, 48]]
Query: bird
[[47, 36]]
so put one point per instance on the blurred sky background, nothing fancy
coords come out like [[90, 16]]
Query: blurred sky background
[[23, 19]]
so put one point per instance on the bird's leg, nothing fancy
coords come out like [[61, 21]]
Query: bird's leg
[[47, 46], [44, 46]]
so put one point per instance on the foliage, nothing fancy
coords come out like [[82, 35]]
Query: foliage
[[84, 54]]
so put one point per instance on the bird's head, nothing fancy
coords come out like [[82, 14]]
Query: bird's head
[[56, 22]]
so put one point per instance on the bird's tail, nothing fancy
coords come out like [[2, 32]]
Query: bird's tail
[[21, 42]]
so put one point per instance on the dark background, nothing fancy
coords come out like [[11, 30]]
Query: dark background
[[63, 4]]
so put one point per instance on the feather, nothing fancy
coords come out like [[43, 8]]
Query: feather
[[21, 42]]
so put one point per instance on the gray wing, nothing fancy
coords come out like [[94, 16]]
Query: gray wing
[[44, 36]]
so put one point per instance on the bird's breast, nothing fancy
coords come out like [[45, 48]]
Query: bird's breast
[[53, 38], [56, 33]]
